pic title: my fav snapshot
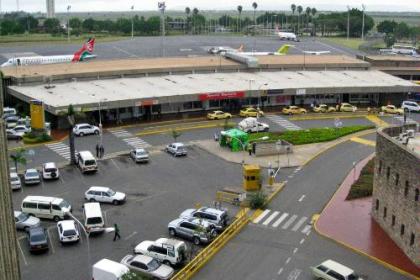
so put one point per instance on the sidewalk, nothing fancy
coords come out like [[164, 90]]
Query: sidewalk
[[299, 157], [350, 224]]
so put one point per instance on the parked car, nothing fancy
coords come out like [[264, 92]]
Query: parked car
[[20, 130], [11, 121], [50, 171], [331, 270], [148, 266], [15, 182], [108, 270], [25, 221], [293, 110], [391, 109], [218, 115], [46, 207], [176, 149], [31, 177], [197, 230], [410, 106], [252, 125], [82, 129], [139, 155], [37, 239], [24, 121], [104, 194], [86, 162], [11, 135], [251, 112], [68, 231], [347, 107], [167, 251], [323, 108], [7, 112], [216, 217]]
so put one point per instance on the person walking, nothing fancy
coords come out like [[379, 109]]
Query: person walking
[[116, 232], [97, 150], [101, 151], [250, 149]]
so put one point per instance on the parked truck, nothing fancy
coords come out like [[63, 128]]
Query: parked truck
[[108, 270], [253, 125]]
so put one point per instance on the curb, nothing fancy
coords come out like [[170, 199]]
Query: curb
[[26, 146], [354, 249]]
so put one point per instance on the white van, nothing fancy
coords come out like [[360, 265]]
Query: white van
[[94, 222], [7, 111], [46, 207], [331, 270], [108, 270], [86, 162]]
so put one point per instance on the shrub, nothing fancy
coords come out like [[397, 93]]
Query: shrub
[[31, 138], [363, 187], [257, 200]]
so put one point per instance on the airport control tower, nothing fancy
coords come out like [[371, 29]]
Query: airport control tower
[[50, 8]]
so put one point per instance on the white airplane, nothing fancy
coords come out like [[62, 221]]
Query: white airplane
[[290, 36], [316, 52], [283, 50], [84, 53]]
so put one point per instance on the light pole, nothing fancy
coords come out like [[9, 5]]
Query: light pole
[[363, 21], [259, 101], [68, 23], [348, 22], [162, 7], [132, 23], [100, 120]]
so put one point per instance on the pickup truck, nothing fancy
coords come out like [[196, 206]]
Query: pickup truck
[[252, 125]]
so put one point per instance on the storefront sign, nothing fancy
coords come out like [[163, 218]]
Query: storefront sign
[[300, 91], [148, 102], [221, 95]]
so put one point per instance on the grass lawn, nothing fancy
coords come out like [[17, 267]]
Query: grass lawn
[[363, 187], [352, 43], [308, 136]]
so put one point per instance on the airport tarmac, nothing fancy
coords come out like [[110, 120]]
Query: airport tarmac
[[187, 45]]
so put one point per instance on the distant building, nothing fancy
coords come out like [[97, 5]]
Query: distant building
[[50, 8]]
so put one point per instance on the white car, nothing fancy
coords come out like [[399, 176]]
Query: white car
[[20, 130], [24, 221], [167, 251], [104, 194], [411, 106], [176, 149], [15, 182], [67, 231], [148, 266], [82, 129], [31, 177], [217, 217], [139, 155], [50, 171]]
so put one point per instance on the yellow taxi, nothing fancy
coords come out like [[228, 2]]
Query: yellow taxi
[[391, 109], [347, 107], [323, 108], [293, 110], [250, 112], [218, 115]]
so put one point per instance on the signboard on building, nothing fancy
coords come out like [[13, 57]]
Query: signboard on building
[[221, 95], [275, 91], [147, 102], [37, 114], [300, 91]]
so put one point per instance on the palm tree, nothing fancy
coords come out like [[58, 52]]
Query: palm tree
[[307, 14], [187, 11], [293, 7], [299, 10], [239, 21], [254, 6], [313, 12], [194, 17], [19, 157]]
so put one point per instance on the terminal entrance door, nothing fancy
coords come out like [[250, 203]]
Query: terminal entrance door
[[147, 116], [345, 98]]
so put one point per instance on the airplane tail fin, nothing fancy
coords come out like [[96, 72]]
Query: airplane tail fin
[[241, 48], [85, 50], [283, 49]]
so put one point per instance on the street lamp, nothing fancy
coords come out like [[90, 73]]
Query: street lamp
[[100, 120], [162, 7], [68, 22], [132, 23]]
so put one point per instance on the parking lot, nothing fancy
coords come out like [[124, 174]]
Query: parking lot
[[157, 193]]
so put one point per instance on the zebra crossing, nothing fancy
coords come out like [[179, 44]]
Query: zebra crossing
[[61, 149], [129, 138], [283, 122], [285, 221], [401, 119]]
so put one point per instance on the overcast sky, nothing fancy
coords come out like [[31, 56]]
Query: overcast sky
[[122, 5]]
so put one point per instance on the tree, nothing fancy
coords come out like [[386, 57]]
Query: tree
[[402, 31], [389, 40], [188, 11], [9, 26], [299, 10], [28, 22], [19, 158], [88, 24], [75, 25], [175, 134], [254, 6], [387, 26], [313, 11], [307, 15], [239, 8], [293, 8], [52, 25]]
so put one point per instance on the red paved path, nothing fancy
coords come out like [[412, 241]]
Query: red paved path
[[350, 222]]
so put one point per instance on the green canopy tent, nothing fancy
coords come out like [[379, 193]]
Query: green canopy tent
[[235, 139]]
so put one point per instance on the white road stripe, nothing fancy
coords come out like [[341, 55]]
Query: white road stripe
[[301, 198], [281, 219], [306, 229], [289, 222], [280, 271], [260, 217], [283, 122], [269, 219], [299, 223]]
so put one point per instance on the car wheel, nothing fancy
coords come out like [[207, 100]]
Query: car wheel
[[92, 200], [26, 228], [266, 129], [172, 232], [115, 202], [81, 134], [167, 262], [96, 132], [56, 219], [196, 240]]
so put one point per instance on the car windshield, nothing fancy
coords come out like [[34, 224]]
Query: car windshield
[[69, 232], [90, 162], [110, 193], [22, 217], [37, 237], [32, 173], [153, 264], [140, 152], [64, 204], [14, 179], [50, 170], [353, 276]]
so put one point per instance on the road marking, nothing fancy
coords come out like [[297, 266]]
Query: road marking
[[306, 229], [50, 240], [294, 274], [280, 271], [288, 260], [124, 51], [136, 142], [131, 235], [269, 219], [301, 241], [299, 223], [289, 222], [377, 121], [283, 122], [260, 217], [290, 176], [301, 198], [115, 164], [23, 255], [295, 250], [282, 217], [363, 141]]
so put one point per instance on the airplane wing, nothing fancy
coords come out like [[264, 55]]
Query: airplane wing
[[316, 52]]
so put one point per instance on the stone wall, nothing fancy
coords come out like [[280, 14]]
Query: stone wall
[[269, 148], [396, 187]]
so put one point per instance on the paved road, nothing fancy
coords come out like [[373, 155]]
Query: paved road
[[142, 47], [284, 250]]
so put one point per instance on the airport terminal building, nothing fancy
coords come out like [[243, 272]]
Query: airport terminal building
[[135, 89]]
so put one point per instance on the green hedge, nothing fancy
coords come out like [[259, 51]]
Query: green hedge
[[308, 136], [31, 138], [363, 187]]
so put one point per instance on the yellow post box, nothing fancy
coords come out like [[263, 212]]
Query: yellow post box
[[37, 115], [251, 177]]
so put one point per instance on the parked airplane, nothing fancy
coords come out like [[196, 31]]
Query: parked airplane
[[316, 52], [283, 50], [290, 36], [84, 53]]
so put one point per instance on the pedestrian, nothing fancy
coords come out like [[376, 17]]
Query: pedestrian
[[250, 149], [101, 151], [97, 150], [216, 137], [116, 232], [405, 118]]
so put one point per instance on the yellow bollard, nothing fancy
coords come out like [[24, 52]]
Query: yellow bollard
[[270, 181]]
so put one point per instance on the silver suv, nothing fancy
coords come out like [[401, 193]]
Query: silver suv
[[198, 230], [216, 217], [176, 149], [85, 129]]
